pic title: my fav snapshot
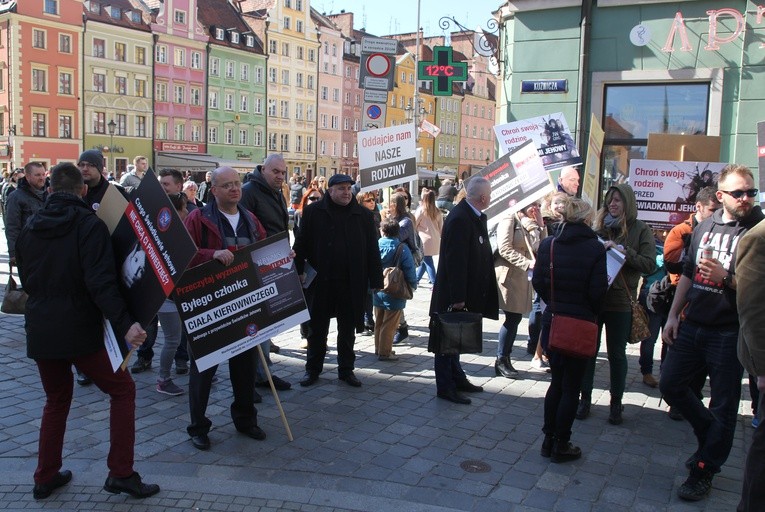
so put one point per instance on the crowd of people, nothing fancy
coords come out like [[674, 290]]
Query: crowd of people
[[344, 238]]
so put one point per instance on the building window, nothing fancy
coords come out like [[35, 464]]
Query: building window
[[162, 130], [121, 125], [229, 102], [346, 124], [196, 133], [65, 43], [180, 131], [229, 136], [355, 125], [284, 142], [140, 88], [334, 50], [140, 126], [257, 139], [212, 99], [179, 57], [309, 144], [310, 82], [196, 60], [243, 138], [120, 52], [212, 135], [272, 45], [65, 83], [272, 108], [229, 69], [99, 48], [326, 48], [311, 55], [179, 17], [243, 103], [99, 122], [299, 111], [309, 115], [140, 55], [345, 150], [120, 85], [115, 13], [336, 95], [335, 122], [288, 4], [323, 120], [324, 92], [180, 94], [286, 76], [298, 5], [258, 106], [272, 75], [38, 38], [357, 101], [196, 96], [50, 7], [299, 79], [161, 91], [258, 74], [272, 142], [300, 51], [39, 80], [298, 143], [38, 124], [214, 66], [299, 25], [286, 49], [160, 54], [244, 72], [65, 127], [286, 23]]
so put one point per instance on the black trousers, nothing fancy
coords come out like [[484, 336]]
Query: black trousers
[[331, 299], [753, 493], [243, 412]]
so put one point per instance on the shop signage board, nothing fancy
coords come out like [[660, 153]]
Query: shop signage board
[[443, 70], [544, 86], [229, 309], [550, 135], [387, 156], [666, 190]]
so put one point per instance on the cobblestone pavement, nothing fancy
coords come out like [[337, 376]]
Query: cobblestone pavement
[[390, 445]]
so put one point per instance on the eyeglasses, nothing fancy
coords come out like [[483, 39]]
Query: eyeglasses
[[230, 185], [314, 198], [738, 194]]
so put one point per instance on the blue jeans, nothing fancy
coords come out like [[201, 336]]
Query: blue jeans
[[427, 265], [535, 324], [507, 333], [697, 346]]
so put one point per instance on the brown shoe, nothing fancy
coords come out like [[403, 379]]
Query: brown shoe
[[650, 381]]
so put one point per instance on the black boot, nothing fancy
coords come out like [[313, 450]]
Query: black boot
[[564, 451], [547, 444], [504, 368], [584, 408], [615, 414]]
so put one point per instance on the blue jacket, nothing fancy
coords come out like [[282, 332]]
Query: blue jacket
[[387, 255]]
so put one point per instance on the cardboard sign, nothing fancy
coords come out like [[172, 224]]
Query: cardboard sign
[[517, 179], [683, 148], [550, 135], [387, 156], [229, 309], [591, 178], [666, 191]]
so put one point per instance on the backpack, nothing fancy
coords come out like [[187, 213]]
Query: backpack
[[296, 193], [394, 281]]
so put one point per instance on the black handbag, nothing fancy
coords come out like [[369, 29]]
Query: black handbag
[[15, 299], [457, 332]]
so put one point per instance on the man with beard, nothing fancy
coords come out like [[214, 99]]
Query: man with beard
[[28, 198], [708, 334]]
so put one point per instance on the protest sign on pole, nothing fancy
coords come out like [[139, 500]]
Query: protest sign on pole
[[517, 179], [229, 309], [591, 178], [666, 191], [551, 137], [387, 156]]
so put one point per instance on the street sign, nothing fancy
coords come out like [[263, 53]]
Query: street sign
[[373, 116], [375, 96], [377, 72], [378, 45], [443, 71]]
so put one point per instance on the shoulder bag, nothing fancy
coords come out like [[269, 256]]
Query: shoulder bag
[[15, 299], [394, 281], [570, 336], [639, 330]]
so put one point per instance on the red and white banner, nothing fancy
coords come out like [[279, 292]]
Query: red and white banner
[[430, 128]]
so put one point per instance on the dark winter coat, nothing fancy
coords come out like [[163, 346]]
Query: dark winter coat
[[579, 269], [96, 194], [66, 263], [20, 206], [265, 203], [466, 265], [362, 270]]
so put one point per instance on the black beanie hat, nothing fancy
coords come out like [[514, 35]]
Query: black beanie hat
[[93, 157]]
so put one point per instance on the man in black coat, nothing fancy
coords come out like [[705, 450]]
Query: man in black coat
[[465, 280], [28, 197], [262, 195], [66, 262], [338, 239]]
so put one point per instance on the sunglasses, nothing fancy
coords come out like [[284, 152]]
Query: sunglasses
[[738, 194], [313, 198], [369, 200]]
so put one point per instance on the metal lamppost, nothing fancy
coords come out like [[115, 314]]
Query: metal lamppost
[[112, 127]]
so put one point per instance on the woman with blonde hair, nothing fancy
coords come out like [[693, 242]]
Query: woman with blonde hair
[[429, 222]]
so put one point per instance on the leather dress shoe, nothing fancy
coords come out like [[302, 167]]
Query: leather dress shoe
[[468, 387], [279, 384], [455, 397], [309, 379], [131, 485], [84, 380], [42, 491], [201, 442], [254, 432], [351, 380]]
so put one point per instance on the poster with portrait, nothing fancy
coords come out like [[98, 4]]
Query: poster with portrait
[[229, 309], [152, 249], [666, 191], [517, 179], [551, 137]]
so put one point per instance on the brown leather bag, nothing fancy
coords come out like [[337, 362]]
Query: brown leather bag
[[640, 330], [15, 299]]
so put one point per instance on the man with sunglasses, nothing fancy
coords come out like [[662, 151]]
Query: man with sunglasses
[[708, 334]]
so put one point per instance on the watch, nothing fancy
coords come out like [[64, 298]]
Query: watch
[[727, 280]]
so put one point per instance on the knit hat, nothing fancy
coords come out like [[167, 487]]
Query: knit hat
[[93, 157]]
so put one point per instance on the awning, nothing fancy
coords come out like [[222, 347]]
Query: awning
[[198, 162]]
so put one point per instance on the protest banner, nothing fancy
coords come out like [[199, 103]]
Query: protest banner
[[387, 156], [517, 179], [591, 178], [550, 135], [229, 309], [666, 191], [761, 159]]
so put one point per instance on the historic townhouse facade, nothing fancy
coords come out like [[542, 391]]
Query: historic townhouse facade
[[447, 143], [236, 91], [40, 45], [117, 82], [332, 124], [180, 73]]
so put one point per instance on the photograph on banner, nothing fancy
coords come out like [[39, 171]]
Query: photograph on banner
[[517, 179], [666, 191], [761, 158], [387, 156], [226, 310], [152, 249], [590, 180], [551, 137]]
